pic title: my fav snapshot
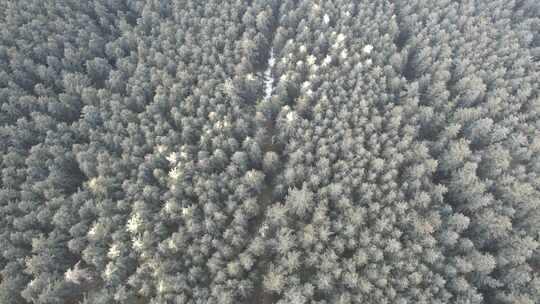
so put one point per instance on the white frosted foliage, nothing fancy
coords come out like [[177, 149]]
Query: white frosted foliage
[[186, 211], [175, 173], [96, 231], [172, 158], [291, 117], [134, 223], [109, 270], [340, 38], [171, 244], [113, 252], [138, 244], [161, 149], [327, 60], [169, 206], [311, 60], [263, 230], [161, 288], [77, 275]]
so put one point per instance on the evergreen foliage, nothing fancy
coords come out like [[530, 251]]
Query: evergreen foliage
[[265, 151]]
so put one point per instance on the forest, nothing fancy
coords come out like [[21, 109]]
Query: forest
[[269, 152]]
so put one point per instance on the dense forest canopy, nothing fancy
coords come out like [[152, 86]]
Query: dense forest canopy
[[270, 151]]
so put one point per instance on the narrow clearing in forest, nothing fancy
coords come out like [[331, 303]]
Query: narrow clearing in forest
[[265, 198]]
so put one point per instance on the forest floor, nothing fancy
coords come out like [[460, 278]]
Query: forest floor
[[265, 199]]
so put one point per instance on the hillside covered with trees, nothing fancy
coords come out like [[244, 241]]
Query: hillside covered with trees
[[270, 151]]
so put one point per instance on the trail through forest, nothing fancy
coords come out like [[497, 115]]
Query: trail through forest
[[265, 198]]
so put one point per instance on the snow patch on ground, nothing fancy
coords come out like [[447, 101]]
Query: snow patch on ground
[[367, 49], [268, 78]]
